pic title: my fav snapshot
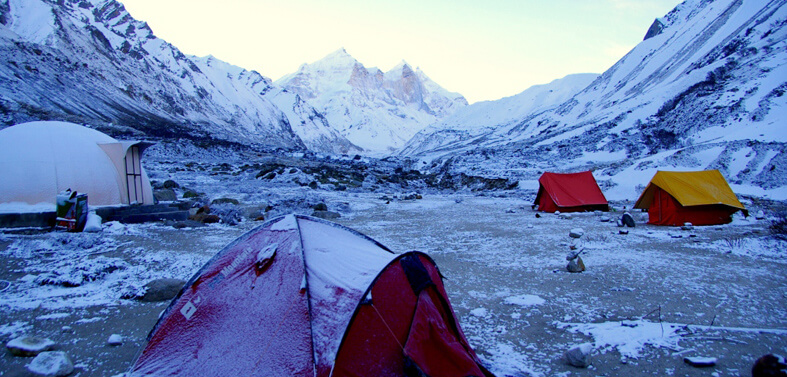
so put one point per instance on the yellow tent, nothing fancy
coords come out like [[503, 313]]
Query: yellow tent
[[703, 190]]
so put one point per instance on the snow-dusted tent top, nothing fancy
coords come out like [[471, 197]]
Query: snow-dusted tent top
[[300, 296], [40, 159]]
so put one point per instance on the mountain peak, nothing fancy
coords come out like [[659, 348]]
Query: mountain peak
[[339, 57]]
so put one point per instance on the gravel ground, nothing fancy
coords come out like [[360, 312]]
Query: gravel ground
[[716, 291]]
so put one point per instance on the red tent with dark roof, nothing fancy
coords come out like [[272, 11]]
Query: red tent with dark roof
[[569, 192], [300, 296]]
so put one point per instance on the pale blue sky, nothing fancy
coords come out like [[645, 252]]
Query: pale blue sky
[[484, 50]]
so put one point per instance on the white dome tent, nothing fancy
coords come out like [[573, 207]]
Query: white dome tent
[[40, 159]]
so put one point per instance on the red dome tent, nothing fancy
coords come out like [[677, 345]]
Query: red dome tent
[[299, 296], [569, 192]]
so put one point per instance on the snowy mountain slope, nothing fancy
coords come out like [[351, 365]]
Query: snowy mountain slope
[[376, 111], [482, 118], [706, 92], [91, 62]]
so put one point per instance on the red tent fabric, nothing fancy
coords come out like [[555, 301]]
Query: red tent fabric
[[666, 210], [569, 192], [299, 296]]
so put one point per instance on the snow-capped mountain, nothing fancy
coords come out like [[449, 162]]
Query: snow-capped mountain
[[376, 111], [485, 117], [89, 61], [704, 90]]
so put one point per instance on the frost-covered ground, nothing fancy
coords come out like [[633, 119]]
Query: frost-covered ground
[[647, 299]]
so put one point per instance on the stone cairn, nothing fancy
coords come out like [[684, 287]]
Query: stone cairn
[[575, 263]]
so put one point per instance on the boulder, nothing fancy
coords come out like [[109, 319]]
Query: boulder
[[687, 226], [225, 201], [320, 207], [187, 224], [162, 290], [328, 215], [579, 356], [51, 363], [170, 184], [760, 215], [576, 233], [576, 265], [769, 365], [604, 219], [165, 195], [192, 194], [115, 340], [29, 345], [628, 220], [700, 362]]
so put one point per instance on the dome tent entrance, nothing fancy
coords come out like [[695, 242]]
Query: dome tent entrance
[[40, 159], [299, 296], [569, 192], [697, 197]]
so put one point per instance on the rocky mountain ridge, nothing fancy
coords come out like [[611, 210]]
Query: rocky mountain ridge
[[90, 61]]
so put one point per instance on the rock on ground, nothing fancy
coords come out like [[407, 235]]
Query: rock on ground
[[51, 363], [29, 345], [579, 356], [162, 289]]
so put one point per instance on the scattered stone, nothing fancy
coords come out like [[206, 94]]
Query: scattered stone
[[67, 330], [328, 215], [187, 224], [225, 201], [192, 194], [530, 226], [605, 219], [700, 362], [538, 216], [676, 235], [576, 233], [115, 340], [687, 226], [619, 223], [623, 231], [29, 345], [320, 207], [162, 290], [170, 184], [628, 220], [760, 215], [565, 216], [769, 365], [51, 363], [510, 210], [211, 219], [165, 195], [579, 356], [576, 265]]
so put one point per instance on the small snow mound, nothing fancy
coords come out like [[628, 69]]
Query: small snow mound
[[524, 300], [479, 312]]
